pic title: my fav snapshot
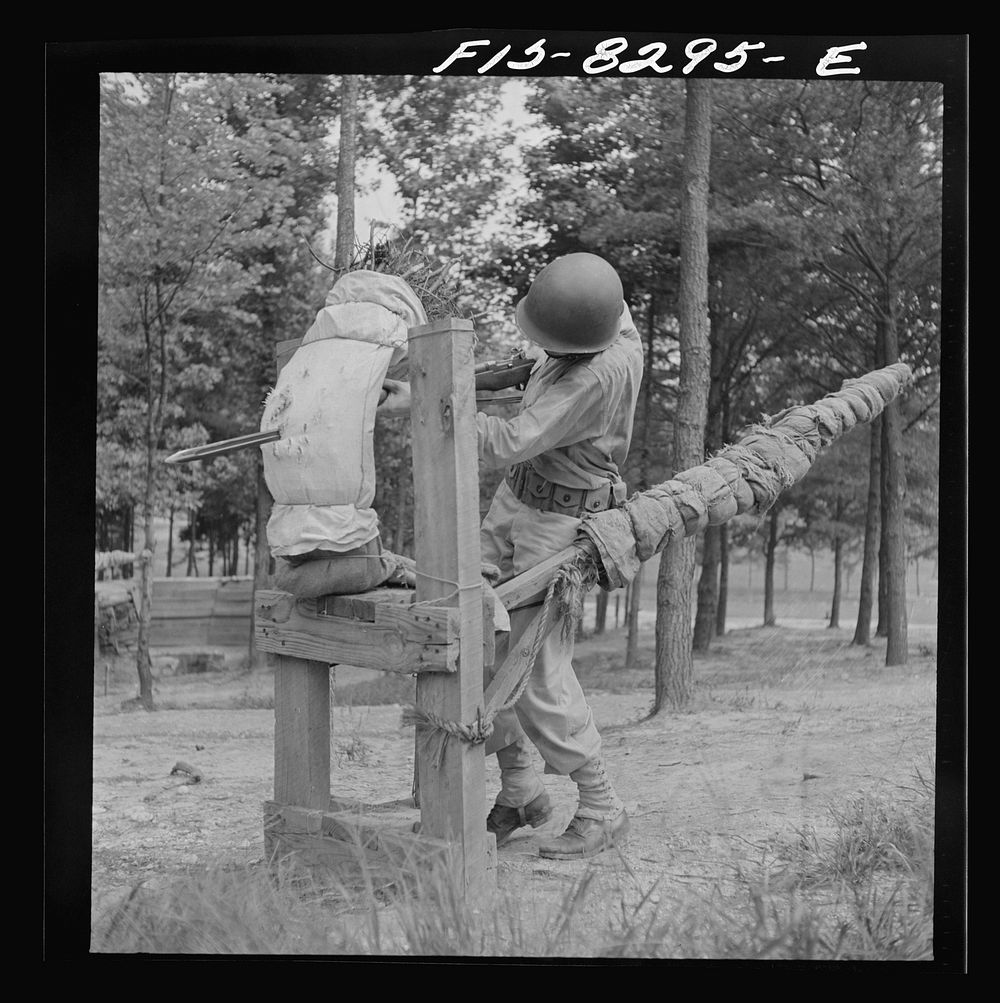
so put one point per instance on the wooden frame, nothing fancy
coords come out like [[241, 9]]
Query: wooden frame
[[441, 637]]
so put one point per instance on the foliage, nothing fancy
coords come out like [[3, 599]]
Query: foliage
[[206, 182], [830, 501], [445, 145]]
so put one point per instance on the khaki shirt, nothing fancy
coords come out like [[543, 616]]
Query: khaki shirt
[[575, 422]]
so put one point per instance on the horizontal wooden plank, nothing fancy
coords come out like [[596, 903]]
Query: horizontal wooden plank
[[186, 633], [178, 609], [191, 590], [531, 586], [356, 643], [515, 665], [417, 622], [384, 841], [412, 638], [229, 633], [363, 605]]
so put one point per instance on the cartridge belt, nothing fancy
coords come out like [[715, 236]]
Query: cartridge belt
[[534, 490]]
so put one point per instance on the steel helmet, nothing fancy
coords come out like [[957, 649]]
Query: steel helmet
[[574, 305]]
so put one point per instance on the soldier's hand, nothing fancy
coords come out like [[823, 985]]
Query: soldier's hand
[[397, 403]]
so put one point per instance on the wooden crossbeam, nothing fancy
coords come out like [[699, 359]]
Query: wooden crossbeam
[[514, 666], [384, 843], [407, 639], [529, 587]]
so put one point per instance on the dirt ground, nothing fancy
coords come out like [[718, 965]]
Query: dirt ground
[[761, 754]]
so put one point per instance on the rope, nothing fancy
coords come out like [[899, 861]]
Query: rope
[[457, 589], [437, 730]]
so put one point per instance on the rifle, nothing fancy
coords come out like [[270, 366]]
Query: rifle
[[500, 374]]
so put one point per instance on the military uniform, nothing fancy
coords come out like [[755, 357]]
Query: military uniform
[[564, 452]]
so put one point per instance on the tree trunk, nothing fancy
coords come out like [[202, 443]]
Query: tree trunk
[[893, 492], [835, 604], [127, 570], [769, 554], [192, 564], [170, 542], [838, 547], [632, 641], [674, 663], [893, 467], [869, 560], [812, 568], [346, 172], [708, 582], [211, 551], [675, 687], [600, 612], [143, 661], [720, 609], [708, 590], [881, 595]]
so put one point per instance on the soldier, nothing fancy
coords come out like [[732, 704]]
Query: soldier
[[564, 451]]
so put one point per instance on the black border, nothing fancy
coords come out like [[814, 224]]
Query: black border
[[70, 282]]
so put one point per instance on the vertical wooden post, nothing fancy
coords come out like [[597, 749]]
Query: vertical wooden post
[[301, 705], [302, 733], [449, 568]]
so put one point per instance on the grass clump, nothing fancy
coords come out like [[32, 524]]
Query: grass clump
[[861, 891], [251, 909], [874, 834]]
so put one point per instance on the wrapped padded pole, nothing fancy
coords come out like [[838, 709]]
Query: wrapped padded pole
[[745, 477]]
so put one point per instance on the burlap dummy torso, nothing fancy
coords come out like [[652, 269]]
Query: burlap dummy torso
[[321, 472]]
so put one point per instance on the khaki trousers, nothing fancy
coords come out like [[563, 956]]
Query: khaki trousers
[[552, 713]]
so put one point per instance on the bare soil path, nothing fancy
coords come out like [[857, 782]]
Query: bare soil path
[[784, 724]]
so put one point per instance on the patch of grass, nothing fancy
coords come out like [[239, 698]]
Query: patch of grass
[[388, 688], [355, 750], [253, 701], [421, 912], [229, 910], [872, 834]]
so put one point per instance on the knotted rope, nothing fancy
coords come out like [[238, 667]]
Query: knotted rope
[[563, 602]]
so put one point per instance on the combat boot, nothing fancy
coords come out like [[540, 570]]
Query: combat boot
[[600, 821], [522, 799], [503, 821]]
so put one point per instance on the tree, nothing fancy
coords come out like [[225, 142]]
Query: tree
[[192, 193], [863, 162], [674, 667], [604, 178], [770, 550], [346, 172], [831, 503]]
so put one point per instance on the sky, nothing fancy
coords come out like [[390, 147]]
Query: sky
[[380, 202]]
